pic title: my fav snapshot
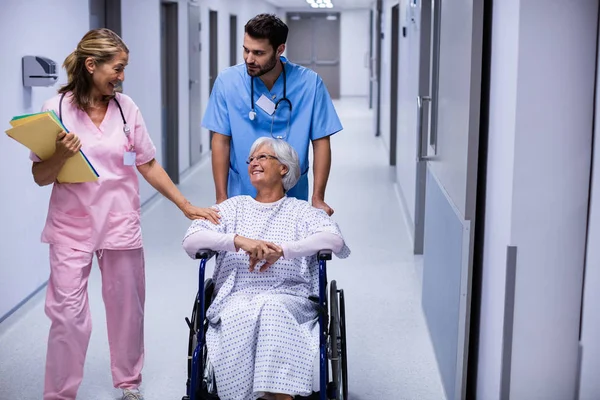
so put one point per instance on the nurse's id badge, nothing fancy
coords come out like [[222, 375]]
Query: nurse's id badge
[[129, 158]]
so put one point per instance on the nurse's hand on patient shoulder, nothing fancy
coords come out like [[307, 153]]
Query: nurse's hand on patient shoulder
[[320, 203], [193, 212], [67, 145]]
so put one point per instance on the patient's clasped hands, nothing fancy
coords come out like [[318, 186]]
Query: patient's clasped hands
[[259, 250]]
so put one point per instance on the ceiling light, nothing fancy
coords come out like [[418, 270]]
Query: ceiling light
[[322, 5], [329, 5], [314, 5]]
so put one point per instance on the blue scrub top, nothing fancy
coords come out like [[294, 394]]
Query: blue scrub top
[[312, 117]]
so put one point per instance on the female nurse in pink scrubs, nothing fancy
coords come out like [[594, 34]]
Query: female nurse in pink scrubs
[[101, 217]]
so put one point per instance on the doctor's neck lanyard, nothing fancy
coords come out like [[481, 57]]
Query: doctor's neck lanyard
[[126, 129], [252, 113]]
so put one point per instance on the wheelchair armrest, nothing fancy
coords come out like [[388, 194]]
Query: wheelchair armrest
[[324, 255], [204, 254]]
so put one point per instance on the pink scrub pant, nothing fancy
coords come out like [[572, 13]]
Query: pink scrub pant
[[123, 292]]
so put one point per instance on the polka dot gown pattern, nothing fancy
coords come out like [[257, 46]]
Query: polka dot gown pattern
[[263, 330]]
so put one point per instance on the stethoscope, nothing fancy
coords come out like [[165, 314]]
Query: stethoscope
[[126, 129], [252, 113]]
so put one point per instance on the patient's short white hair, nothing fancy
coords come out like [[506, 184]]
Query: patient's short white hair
[[286, 155]]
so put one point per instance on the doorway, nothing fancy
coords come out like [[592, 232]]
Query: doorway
[[169, 25], [446, 196], [306, 47], [233, 47], [377, 34], [589, 329], [105, 14], [213, 54], [214, 48], [194, 83], [394, 83]]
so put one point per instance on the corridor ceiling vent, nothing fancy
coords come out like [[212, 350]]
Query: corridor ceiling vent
[[320, 3]]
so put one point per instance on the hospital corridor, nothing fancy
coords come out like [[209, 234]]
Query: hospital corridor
[[389, 347], [464, 179]]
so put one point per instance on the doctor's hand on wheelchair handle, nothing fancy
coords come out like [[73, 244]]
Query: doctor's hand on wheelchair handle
[[320, 203]]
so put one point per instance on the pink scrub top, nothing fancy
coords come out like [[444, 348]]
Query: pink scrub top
[[104, 214]]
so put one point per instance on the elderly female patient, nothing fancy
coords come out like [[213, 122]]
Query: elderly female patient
[[263, 334]]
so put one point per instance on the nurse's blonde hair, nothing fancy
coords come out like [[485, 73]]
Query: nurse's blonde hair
[[102, 45]]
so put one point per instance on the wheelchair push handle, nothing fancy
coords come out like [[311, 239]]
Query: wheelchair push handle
[[204, 254], [324, 255]]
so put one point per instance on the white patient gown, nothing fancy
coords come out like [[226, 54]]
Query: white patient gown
[[263, 331]]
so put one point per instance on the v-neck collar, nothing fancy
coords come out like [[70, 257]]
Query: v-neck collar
[[102, 127], [277, 85]]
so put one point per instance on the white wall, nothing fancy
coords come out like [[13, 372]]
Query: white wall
[[354, 54], [23, 206], [541, 119]]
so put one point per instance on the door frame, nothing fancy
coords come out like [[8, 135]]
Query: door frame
[[378, 40], [170, 91], [395, 62], [213, 54], [195, 132]]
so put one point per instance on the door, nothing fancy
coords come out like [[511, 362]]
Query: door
[[448, 121], [170, 89], [306, 47], [376, 35], [233, 47], [429, 29], [213, 55], [214, 48], [370, 63], [589, 345], [394, 83], [105, 14], [194, 83]]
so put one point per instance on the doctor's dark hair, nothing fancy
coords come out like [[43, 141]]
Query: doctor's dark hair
[[102, 45], [286, 155], [267, 26]]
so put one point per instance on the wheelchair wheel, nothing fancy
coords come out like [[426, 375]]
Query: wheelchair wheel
[[195, 324], [337, 332]]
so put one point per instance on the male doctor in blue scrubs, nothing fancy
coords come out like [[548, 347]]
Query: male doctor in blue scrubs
[[287, 101]]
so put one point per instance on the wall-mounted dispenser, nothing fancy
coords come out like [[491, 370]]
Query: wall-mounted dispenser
[[39, 71]]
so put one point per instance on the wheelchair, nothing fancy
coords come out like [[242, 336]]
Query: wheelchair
[[333, 363]]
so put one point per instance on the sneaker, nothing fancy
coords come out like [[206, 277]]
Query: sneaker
[[132, 394]]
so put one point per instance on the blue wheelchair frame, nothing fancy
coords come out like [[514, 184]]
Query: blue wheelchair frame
[[204, 255]]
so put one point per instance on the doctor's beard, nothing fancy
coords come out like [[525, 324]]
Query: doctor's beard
[[262, 70]]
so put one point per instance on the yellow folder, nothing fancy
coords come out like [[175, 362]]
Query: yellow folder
[[38, 132]]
